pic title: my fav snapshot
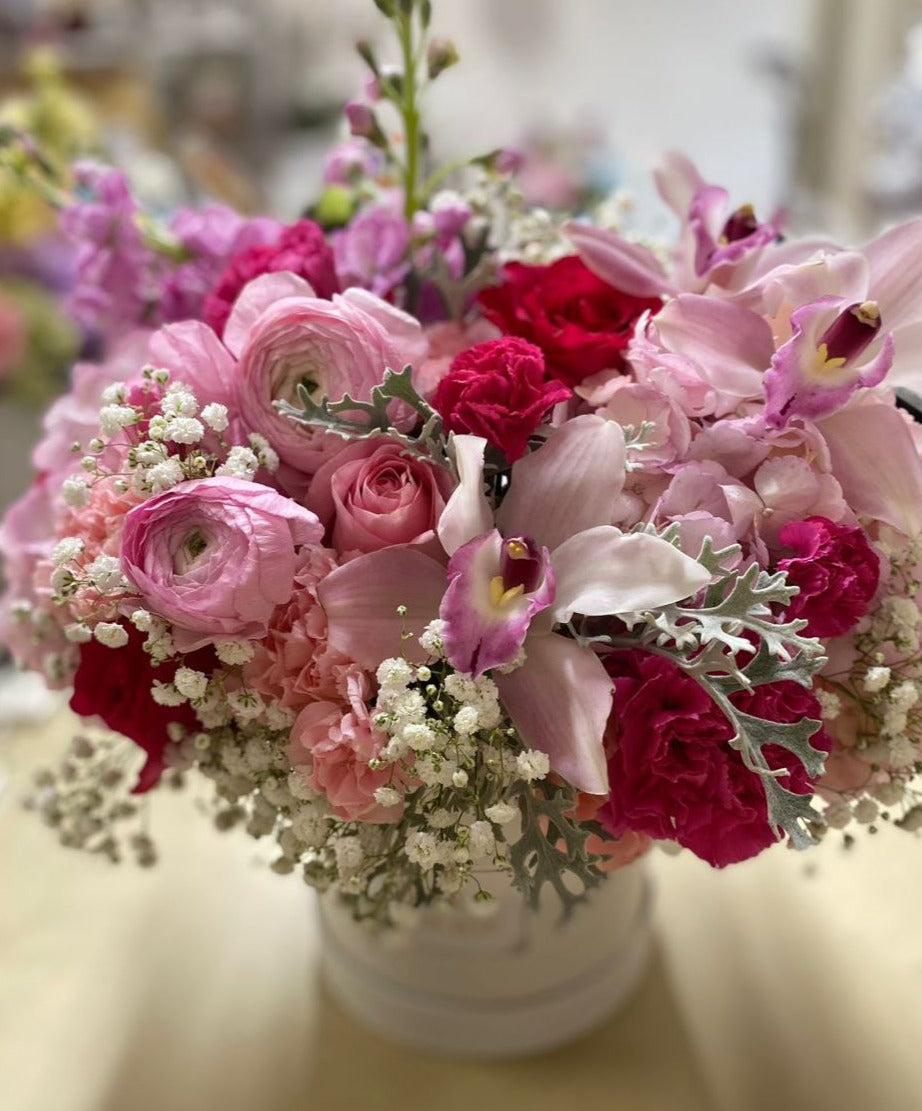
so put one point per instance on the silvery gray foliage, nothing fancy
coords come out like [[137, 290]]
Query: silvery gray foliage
[[707, 638], [371, 418]]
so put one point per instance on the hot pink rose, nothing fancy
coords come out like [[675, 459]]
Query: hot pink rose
[[333, 348], [336, 747], [215, 557], [373, 495], [836, 570]]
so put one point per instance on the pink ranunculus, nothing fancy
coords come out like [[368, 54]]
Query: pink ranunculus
[[215, 556], [374, 495], [13, 336], [836, 570], [295, 662], [334, 744], [331, 347]]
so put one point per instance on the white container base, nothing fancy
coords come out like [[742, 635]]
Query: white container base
[[513, 984]]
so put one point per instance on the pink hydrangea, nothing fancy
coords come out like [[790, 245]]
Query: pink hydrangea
[[334, 745], [295, 663]]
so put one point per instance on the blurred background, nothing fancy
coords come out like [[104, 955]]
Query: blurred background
[[811, 104]]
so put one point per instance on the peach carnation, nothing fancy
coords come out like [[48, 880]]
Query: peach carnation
[[294, 663]]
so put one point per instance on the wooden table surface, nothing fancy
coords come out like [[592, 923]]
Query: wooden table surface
[[791, 983]]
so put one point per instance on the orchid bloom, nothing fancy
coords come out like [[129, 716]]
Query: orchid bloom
[[551, 552], [823, 362], [716, 247]]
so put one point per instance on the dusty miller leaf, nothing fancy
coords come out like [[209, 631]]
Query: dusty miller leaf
[[372, 418], [538, 857]]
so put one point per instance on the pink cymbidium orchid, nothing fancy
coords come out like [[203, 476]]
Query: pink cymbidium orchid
[[826, 360], [550, 552]]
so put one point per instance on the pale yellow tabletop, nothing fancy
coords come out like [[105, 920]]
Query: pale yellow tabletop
[[793, 982]]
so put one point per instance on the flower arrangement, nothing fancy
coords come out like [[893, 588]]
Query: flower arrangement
[[439, 535]]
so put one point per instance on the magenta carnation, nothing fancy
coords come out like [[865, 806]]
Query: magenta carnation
[[672, 771], [498, 390], [836, 571], [301, 249]]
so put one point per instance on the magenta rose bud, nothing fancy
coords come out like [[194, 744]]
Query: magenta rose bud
[[498, 390], [215, 556], [836, 571], [374, 495]]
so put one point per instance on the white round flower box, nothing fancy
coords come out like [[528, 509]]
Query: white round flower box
[[507, 983]]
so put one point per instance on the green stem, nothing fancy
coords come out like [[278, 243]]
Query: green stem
[[410, 111]]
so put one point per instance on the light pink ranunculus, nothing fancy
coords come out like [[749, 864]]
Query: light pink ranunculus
[[215, 556], [374, 495], [333, 348], [334, 744]]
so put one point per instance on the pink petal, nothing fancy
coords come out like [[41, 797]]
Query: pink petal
[[257, 296], [559, 701], [876, 462], [361, 599], [597, 573], [408, 341], [729, 345], [467, 513], [626, 266], [478, 633], [193, 353], [907, 357], [571, 483], [895, 260], [677, 181]]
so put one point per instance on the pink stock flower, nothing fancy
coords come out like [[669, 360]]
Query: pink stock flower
[[330, 347], [215, 557], [498, 390], [373, 494], [333, 744], [836, 571], [373, 250], [295, 663]]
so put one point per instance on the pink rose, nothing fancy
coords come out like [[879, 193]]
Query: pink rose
[[373, 495], [335, 747], [333, 348], [215, 557]]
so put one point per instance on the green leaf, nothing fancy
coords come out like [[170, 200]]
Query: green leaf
[[372, 418], [552, 847]]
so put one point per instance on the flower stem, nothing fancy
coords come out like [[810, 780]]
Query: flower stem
[[409, 109]]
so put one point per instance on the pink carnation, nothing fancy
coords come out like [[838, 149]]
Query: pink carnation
[[672, 771], [836, 570], [336, 748], [295, 662]]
